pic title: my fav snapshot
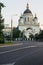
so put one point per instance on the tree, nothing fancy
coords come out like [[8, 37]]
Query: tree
[[31, 37], [36, 36], [17, 34], [1, 6], [40, 36], [1, 24]]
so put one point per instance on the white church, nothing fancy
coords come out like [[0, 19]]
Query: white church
[[28, 24]]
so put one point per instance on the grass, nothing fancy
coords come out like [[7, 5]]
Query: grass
[[8, 43]]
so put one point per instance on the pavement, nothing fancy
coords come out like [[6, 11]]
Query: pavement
[[13, 44], [27, 53], [6, 45]]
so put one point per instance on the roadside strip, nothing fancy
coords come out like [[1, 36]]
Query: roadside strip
[[3, 45]]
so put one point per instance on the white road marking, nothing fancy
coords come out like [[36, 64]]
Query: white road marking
[[17, 49], [9, 64]]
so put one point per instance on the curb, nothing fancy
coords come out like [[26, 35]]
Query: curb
[[4, 45]]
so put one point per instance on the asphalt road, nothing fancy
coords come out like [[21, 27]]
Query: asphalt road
[[27, 53]]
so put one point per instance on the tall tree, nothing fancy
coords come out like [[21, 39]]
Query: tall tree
[[16, 33], [1, 24]]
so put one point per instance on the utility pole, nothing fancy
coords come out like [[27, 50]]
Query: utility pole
[[11, 29]]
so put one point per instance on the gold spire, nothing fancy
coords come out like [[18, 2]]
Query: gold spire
[[27, 6]]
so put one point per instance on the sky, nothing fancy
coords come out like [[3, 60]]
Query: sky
[[14, 8]]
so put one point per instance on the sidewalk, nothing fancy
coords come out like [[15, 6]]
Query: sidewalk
[[14, 44]]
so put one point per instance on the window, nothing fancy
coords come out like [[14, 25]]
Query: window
[[25, 19], [28, 18]]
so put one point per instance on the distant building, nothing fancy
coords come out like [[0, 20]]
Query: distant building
[[7, 31], [28, 24]]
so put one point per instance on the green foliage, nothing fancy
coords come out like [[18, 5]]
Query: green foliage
[[8, 37], [36, 37], [1, 38], [31, 36], [17, 33], [1, 24], [2, 5], [39, 36]]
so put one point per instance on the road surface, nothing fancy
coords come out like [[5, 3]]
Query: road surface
[[26, 53]]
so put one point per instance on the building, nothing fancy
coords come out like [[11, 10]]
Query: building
[[28, 24], [7, 31]]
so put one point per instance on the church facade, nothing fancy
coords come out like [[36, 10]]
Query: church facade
[[28, 24]]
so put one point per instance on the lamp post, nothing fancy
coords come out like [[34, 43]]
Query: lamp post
[[12, 27]]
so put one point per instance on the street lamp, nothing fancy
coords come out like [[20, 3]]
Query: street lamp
[[11, 30], [11, 27]]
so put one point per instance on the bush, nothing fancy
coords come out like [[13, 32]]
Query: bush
[[1, 41]]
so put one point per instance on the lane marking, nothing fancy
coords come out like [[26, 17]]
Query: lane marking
[[9, 64], [24, 55], [17, 49]]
